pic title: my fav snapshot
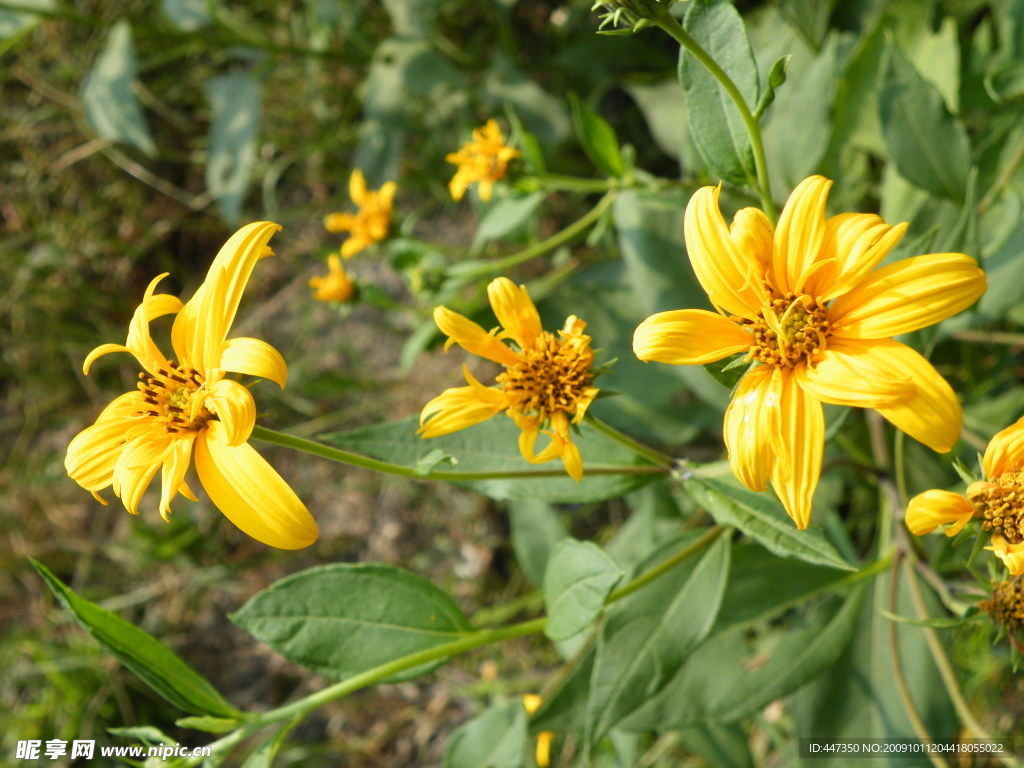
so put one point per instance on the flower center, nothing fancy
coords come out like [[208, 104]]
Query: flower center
[[789, 330], [168, 398], [1001, 503], [1007, 603], [552, 376]]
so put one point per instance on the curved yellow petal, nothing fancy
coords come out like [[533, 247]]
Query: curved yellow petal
[[100, 351], [153, 305], [754, 235], [176, 464], [138, 462], [731, 278], [515, 311], [748, 426], [472, 338], [855, 243], [235, 409], [928, 510], [1005, 451], [688, 337], [799, 441], [1012, 555], [357, 187], [848, 374], [339, 222], [529, 429], [800, 234], [250, 493], [93, 453], [910, 294], [572, 461], [254, 357], [932, 414], [460, 407]]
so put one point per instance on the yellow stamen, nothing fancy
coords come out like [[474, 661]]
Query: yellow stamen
[[789, 330], [1001, 503], [168, 398], [551, 376]]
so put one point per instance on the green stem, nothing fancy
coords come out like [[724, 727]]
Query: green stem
[[637, 447], [575, 183], [386, 467], [664, 567], [667, 22]]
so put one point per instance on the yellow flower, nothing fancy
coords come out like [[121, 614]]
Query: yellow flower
[[370, 224], [531, 703], [546, 381], [807, 305], [189, 403], [999, 501], [484, 160], [336, 285]]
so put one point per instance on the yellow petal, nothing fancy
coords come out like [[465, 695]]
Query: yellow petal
[[799, 442], [848, 374], [250, 493], [176, 464], [100, 351], [543, 752], [235, 409], [748, 426], [855, 243], [515, 311], [1012, 555], [928, 510], [93, 453], [357, 187], [908, 295], [460, 407], [754, 236], [339, 222], [1005, 451], [386, 194], [731, 278], [529, 429], [932, 414], [254, 357], [688, 337], [572, 461], [800, 233], [139, 460], [153, 305], [472, 338]]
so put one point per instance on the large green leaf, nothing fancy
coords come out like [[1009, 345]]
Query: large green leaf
[[497, 738], [343, 619], [715, 123], [535, 530], [493, 447], [597, 138], [763, 519], [578, 578], [158, 666], [235, 99], [108, 93], [927, 144], [648, 636]]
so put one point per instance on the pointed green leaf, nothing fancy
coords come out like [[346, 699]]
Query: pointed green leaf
[[597, 138], [235, 99], [578, 578], [158, 666]]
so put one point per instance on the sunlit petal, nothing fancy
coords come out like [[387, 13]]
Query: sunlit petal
[[855, 243], [1012, 555], [799, 234], [688, 337], [754, 235], [254, 357], [472, 338], [800, 426], [460, 407], [748, 426], [176, 464], [1005, 450], [235, 409], [514, 310], [928, 510], [847, 373]]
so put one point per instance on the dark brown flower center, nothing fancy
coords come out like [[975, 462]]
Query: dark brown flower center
[[552, 376], [1007, 603], [168, 397], [789, 330], [1001, 503]]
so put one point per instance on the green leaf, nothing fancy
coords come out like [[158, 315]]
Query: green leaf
[[715, 123], [543, 113], [504, 216], [111, 105], [208, 724], [156, 664], [264, 755], [722, 745], [578, 578], [433, 460], [496, 738], [187, 15], [235, 100], [344, 619], [734, 673], [535, 531], [597, 138], [493, 446], [729, 371], [14, 22], [926, 143], [648, 636], [763, 519]]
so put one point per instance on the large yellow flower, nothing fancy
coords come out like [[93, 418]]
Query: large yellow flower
[[546, 381], [370, 223], [336, 285], [999, 501], [484, 160], [807, 305], [190, 403]]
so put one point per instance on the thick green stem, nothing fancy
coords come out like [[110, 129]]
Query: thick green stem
[[634, 445], [386, 467], [667, 22]]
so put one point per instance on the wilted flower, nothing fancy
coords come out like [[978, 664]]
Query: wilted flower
[[370, 223], [190, 403], [483, 160]]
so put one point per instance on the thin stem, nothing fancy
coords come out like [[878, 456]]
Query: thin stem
[[386, 467], [575, 183], [667, 22], [636, 446], [664, 567], [899, 467]]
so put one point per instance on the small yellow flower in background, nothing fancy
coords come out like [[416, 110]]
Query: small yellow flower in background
[[370, 223], [531, 703], [806, 303], [546, 381], [483, 160], [336, 285], [999, 501], [190, 404]]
